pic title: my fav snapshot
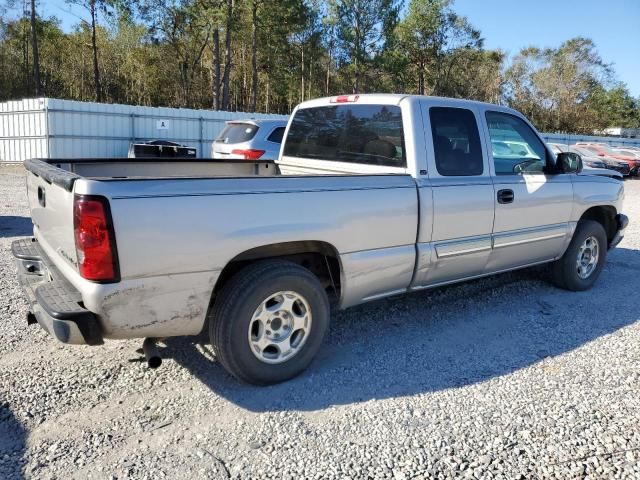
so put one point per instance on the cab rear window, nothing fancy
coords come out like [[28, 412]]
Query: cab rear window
[[237, 133], [367, 134]]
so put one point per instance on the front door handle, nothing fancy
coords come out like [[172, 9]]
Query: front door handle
[[505, 196]]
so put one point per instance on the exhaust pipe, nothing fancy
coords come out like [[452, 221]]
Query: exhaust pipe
[[150, 349], [31, 318]]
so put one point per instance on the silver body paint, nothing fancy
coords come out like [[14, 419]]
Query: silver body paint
[[394, 229]]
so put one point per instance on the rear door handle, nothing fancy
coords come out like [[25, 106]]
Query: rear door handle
[[42, 198], [505, 196]]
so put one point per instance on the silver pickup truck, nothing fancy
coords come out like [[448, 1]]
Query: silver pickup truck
[[372, 196]]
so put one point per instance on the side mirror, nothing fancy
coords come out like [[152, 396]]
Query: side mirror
[[568, 162]]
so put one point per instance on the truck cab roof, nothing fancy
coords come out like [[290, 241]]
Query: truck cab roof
[[397, 98]]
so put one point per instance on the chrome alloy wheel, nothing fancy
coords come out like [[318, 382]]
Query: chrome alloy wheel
[[588, 255], [280, 327]]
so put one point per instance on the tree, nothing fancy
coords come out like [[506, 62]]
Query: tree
[[215, 74], [267, 55], [418, 35], [229, 20], [34, 49], [94, 7], [181, 26], [557, 87], [306, 38], [615, 107], [254, 54], [363, 26], [212, 11], [435, 40], [329, 25]]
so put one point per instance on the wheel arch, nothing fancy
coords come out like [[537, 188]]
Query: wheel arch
[[604, 215], [319, 257]]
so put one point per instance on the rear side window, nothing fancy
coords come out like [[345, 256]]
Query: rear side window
[[276, 135], [456, 141], [237, 133], [367, 134]]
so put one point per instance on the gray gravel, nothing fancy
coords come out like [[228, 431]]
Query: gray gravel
[[506, 377]]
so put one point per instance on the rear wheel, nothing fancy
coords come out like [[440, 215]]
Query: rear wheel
[[269, 321], [581, 264]]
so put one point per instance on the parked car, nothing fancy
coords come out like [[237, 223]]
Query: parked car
[[603, 150], [588, 158], [610, 162], [557, 148], [512, 148], [161, 149], [371, 196], [627, 151], [591, 164], [249, 140]]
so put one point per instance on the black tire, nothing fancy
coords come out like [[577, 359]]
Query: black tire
[[234, 307], [564, 270]]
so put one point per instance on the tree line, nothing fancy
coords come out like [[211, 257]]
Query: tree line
[[268, 55]]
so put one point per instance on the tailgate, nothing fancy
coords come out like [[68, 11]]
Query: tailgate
[[50, 195]]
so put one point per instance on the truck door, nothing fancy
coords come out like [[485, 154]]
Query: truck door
[[533, 208], [462, 195]]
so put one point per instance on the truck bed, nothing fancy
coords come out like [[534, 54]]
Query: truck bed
[[64, 172], [178, 223]]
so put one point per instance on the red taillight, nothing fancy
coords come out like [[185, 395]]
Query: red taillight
[[345, 99], [95, 242], [249, 154]]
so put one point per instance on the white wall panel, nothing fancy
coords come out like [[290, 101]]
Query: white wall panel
[[53, 128]]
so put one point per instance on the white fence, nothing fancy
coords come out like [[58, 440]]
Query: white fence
[[570, 139], [52, 128]]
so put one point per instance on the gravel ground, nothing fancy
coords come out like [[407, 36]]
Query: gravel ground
[[506, 377]]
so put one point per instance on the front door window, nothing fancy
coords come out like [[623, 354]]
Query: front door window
[[515, 147]]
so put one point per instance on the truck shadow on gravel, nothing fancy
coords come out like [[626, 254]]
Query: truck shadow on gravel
[[12, 444], [14, 226], [439, 339]]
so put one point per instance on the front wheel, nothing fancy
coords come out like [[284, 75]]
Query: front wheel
[[581, 264], [269, 321]]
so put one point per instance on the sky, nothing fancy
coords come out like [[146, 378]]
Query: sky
[[69, 15], [614, 26]]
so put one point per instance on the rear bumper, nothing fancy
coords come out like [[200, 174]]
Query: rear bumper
[[55, 303], [621, 224]]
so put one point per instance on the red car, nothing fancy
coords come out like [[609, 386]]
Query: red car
[[603, 150]]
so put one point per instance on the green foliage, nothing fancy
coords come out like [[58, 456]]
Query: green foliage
[[616, 107], [173, 53], [364, 29], [568, 89], [445, 52]]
